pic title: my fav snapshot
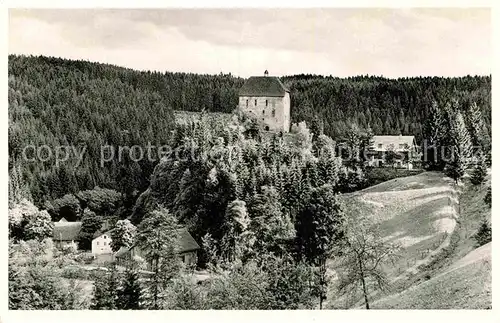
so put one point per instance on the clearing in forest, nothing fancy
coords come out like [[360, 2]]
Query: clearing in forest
[[417, 212]]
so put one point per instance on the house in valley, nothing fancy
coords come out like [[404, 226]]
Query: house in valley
[[65, 233], [187, 249], [394, 151], [267, 99], [101, 243]]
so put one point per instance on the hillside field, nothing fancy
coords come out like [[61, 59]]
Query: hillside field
[[419, 213], [462, 278]]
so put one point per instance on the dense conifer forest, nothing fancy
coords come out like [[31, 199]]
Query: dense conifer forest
[[54, 101], [264, 207]]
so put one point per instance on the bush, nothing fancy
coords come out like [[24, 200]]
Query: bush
[[84, 258], [75, 273], [377, 175], [487, 197], [483, 235], [479, 173], [70, 248]]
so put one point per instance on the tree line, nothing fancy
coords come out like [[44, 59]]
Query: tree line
[[60, 102]]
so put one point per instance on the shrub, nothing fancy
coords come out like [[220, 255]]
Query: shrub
[[377, 175], [479, 173], [69, 248], [487, 197], [483, 235]]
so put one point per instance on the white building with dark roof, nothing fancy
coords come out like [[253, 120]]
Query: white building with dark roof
[[101, 243], [267, 99], [404, 149]]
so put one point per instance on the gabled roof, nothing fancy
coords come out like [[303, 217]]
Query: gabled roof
[[66, 231], [99, 233], [263, 86], [186, 244], [395, 141]]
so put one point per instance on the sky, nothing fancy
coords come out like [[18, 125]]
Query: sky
[[335, 41]]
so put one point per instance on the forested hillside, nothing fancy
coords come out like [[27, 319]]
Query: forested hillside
[[388, 106], [58, 102], [263, 207]]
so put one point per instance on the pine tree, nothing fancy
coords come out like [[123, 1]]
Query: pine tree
[[487, 197], [270, 226], [130, 294], [319, 224], [460, 148], [106, 292], [476, 127], [236, 223], [433, 138], [480, 171], [319, 227], [157, 238], [483, 234]]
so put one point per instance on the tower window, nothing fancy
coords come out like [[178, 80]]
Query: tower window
[[255, 102], [247, 103], [266, 103], [274, 113], [263, 112]]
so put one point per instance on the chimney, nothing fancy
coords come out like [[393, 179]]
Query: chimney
[[266, 73]]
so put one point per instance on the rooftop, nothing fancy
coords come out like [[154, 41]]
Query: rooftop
[[263, 86], [186, 243], [395, 141], [66, 231]]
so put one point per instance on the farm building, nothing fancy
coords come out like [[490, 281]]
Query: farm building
[[65, 233], [268, 100], [188, 248], [403, 149]]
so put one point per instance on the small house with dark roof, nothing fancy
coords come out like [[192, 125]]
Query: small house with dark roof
[[187, 249], [65, 233], [268, 100]]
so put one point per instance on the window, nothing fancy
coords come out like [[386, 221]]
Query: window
[[255, 102], [104, 242], [263, 112], [104, 237], [266, 103], [97, 242], [379, 146], [247, 103], [274, 113]]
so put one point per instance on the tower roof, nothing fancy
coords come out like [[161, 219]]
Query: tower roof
[[263, 86]]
